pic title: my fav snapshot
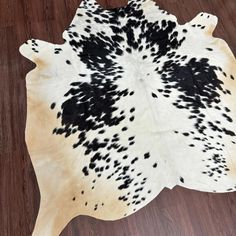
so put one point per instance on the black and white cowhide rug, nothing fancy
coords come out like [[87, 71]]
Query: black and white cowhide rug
[[131, 103]]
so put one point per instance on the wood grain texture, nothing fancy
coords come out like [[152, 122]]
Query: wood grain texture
[[177, 212]]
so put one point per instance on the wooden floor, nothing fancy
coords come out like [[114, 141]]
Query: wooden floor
[[177, 212]]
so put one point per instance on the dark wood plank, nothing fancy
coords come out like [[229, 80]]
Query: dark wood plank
[[177, 212]]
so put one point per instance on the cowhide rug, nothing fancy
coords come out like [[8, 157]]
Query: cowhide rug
[[131, 103]]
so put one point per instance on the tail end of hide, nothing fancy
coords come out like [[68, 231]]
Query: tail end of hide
[[51, 220]]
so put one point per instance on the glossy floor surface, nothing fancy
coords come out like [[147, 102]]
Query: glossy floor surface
[[177, 212]]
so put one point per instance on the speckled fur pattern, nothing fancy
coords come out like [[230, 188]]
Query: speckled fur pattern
[[131, 103]]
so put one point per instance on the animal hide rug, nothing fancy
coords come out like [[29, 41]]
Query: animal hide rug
[[131, 103]]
